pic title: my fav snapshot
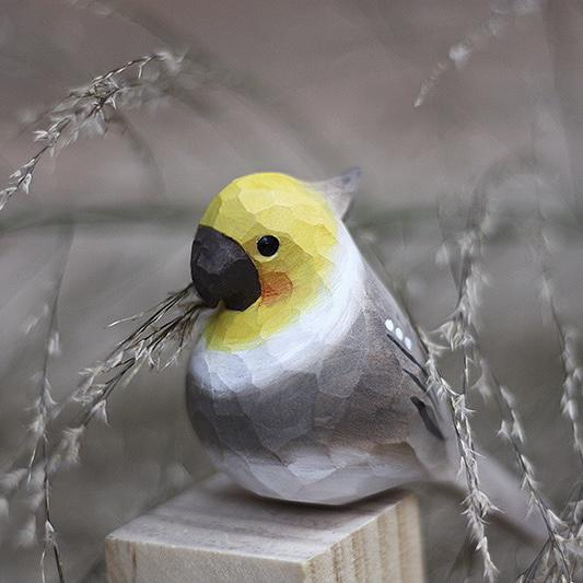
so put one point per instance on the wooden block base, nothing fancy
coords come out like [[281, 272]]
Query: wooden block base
[[216, 533]]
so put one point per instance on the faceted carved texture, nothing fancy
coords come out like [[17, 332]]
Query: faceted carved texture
[[314, 393]]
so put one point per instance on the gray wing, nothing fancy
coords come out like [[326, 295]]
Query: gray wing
[[392, 402]]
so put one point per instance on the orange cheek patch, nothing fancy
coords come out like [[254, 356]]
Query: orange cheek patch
[[275, 286]]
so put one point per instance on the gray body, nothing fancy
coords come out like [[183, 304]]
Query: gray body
[[356, 420]]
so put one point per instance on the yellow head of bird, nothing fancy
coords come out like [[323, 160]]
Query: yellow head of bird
[[263, 253]]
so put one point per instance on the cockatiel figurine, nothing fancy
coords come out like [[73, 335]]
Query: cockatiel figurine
[[307, 383]]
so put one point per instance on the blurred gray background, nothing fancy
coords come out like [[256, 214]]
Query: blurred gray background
[[309, 88]]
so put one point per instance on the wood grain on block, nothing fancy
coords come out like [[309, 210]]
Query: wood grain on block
[[217, 533]]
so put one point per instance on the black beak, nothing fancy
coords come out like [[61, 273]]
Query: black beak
[[222, 271]]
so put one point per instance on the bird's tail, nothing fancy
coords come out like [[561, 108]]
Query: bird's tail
[[504, 490]]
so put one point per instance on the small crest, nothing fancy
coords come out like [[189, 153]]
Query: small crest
[[340, 190]]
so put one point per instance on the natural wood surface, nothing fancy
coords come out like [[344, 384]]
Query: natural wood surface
[[216, 533]]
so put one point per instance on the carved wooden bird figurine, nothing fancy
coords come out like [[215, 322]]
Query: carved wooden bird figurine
[[307, 382]]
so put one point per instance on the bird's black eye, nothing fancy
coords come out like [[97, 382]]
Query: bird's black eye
[[268, 245]]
